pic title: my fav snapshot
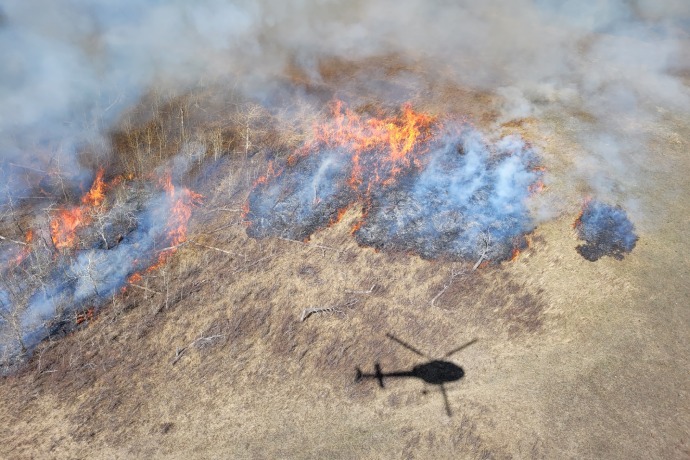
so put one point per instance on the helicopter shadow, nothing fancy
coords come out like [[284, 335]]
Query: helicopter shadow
[[436, 371]]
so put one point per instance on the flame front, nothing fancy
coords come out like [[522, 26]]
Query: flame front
[[578, 220], [96, 194], [66, 223], [120, 235], [64, 226], [373, 151], [178, 203], [426, 186], [380, 148], [181, 202]]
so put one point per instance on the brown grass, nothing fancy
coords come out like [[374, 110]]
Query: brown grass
[[574, 359]]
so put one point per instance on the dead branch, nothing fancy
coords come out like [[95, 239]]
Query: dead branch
[[224, 209], [208, 338], [486, 242], [27, 167], [371, 289], [180, 351], [178, 354], [307, 312], [215, 249], [453, 274], [144, 288], [13, 241], [173, 247], [439, 294], [479, 262]]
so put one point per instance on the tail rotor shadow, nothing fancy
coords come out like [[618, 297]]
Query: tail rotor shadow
[[435, 371]]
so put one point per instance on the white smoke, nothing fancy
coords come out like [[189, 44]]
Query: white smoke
[[71, 68]]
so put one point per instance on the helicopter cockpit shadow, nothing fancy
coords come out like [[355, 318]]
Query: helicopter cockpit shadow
[[434, 372]]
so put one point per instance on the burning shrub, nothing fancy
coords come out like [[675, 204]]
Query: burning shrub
[[606, 230], [349, 158], [134, 228], [301, 199], [430, 188]]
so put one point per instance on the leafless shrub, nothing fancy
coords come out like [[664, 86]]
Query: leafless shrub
[[307, 312], [21, 279]]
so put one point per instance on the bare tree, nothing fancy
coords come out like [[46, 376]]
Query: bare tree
[[20, 280], [109, 223], [248, 115], [484, 245]]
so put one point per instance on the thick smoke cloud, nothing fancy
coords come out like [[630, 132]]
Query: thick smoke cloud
[[71, 68]]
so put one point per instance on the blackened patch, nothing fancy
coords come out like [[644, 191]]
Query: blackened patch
[[607, 231]]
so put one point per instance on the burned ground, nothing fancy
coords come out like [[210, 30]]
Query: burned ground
[[607, 231], [208, 356]]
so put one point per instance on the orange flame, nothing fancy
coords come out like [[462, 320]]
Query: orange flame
[[356, 226], [537, 187], [64, 226], [516, 254], [578, 220], [182, 203], [271, 172], [28, 238], [339, 216], [379, 148], [96, 194], [245, 213], [528, 241], [66, 223], [391, 140], [85, 316], [400, 134]]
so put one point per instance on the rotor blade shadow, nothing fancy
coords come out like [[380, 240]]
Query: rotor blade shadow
[[460, 348], [445, 400], [408, 346]]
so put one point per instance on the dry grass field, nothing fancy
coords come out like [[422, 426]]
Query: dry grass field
[[208, 356]]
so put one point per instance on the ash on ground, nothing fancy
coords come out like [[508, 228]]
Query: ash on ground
[[297, 201], [469, 200], [459, 197]]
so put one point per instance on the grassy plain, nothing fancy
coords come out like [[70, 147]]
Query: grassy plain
[[574, 359]]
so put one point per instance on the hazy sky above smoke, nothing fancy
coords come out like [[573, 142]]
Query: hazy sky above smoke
[[70, 67]]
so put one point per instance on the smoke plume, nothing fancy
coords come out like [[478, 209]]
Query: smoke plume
[[71, 70], [428, 187]]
